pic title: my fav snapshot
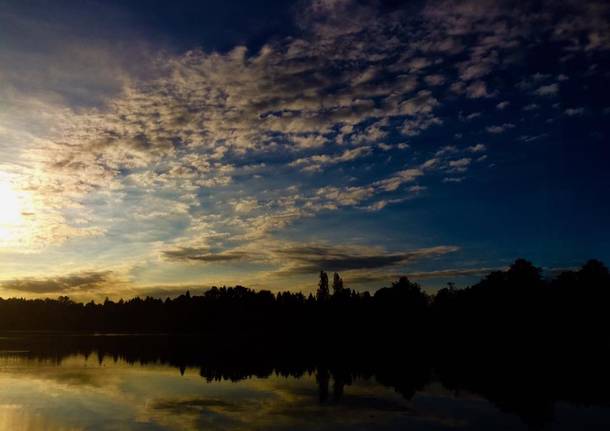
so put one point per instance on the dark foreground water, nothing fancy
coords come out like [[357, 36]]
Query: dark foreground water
[[68, 382]]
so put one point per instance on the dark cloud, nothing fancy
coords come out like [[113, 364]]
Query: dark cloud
[[73, 283], [308, 259], [203, 254]]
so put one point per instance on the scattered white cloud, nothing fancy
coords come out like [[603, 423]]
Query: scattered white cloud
[[460, 165], [501, 128], [547, 90], [573, 112], [477, 90], [478, 148]]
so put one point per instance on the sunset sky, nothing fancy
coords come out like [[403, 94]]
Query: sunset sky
[[150, 147]]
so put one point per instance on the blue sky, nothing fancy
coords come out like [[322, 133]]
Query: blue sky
[[145, 150]]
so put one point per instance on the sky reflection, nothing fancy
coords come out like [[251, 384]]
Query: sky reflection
[[79, 393]]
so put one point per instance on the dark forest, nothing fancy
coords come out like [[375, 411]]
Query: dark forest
[[515, 302]]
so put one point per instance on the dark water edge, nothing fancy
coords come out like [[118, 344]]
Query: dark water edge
[[533, 385]]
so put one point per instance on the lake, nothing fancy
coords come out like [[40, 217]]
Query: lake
[[116, 382]]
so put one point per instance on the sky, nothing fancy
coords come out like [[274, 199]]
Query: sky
[[149, 148]]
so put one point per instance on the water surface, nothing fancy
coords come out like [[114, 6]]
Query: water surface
[[61, 387]]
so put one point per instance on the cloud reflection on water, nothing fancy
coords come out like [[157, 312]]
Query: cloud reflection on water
[[79, 393]]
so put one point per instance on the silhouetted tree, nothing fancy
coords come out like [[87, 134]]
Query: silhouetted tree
[[404, 293], [523, 273], [337, 284], [323, 291], [594, 274]]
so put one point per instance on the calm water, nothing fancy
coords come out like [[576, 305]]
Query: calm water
[[49, 388]]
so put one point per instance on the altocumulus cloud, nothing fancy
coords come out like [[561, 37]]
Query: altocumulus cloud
[[198, 123], [233, 147]]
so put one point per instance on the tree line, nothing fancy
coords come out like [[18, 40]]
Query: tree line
[[515, 301]]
